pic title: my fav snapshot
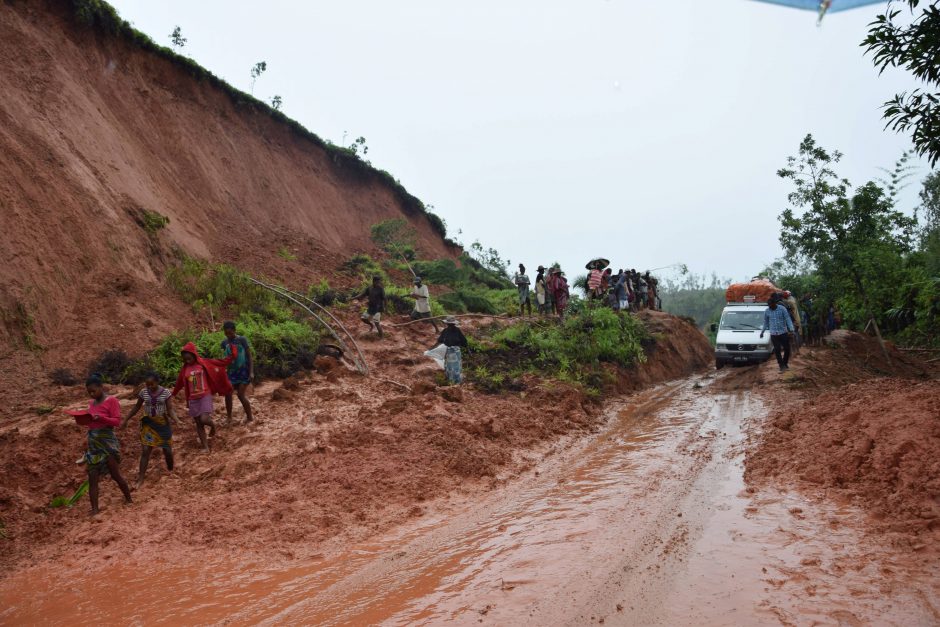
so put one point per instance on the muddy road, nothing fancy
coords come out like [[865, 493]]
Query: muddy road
[[647, 522]]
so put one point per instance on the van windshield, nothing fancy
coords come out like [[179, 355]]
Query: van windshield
[[741, 320]]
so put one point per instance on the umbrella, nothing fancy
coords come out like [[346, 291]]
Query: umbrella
[[823, 6], [816, 5], [600, 263]]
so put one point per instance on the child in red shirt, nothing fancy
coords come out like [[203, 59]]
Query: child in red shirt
[[201, 378]]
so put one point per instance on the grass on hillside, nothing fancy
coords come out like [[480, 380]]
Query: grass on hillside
[[575, 351]]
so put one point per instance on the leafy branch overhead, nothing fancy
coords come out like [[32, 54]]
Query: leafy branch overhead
[[914, 46]]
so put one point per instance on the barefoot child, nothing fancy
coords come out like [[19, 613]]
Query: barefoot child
[[104, 450], [155, 431], [201, 378], [375, 296], [241, 372]]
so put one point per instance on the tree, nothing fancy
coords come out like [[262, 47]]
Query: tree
[[257, 70], [490, 259], [855, 242], [914, 46], [929, 212], [276, 103], [359, 144], [177, 38], [696, 296]]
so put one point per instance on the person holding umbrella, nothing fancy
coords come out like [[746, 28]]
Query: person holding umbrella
[[596, 277]]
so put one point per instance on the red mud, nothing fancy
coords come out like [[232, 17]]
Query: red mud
[[341, 457], [874, 442]]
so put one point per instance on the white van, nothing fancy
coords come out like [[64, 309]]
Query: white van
[[739, 340]]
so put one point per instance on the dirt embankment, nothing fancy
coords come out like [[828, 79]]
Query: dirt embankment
[[336, 456], [95, 133], [843, 428]]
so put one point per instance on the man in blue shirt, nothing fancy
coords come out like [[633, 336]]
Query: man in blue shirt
[[777, 321]]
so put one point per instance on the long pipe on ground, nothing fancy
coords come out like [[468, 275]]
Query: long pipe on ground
[[360, 362]]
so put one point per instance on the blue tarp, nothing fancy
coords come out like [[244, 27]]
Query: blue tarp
[[813, 5]]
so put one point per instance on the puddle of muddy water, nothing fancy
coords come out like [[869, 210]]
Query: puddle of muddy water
[[647, 523]]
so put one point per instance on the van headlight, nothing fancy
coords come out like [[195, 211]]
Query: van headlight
[[720, 347]]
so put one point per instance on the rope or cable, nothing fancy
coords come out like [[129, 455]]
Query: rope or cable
[[474, 315]]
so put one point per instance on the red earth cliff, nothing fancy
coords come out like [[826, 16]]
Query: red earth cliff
[[95, 131]]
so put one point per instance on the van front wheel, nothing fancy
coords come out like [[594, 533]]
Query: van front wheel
[[719, 364]]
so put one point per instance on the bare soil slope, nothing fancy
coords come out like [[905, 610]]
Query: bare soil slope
[[94, 132]]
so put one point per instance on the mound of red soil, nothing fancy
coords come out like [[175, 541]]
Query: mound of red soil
[[877, 442], [679, 350]]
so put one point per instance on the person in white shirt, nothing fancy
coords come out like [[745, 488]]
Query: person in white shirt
[[422, 303]]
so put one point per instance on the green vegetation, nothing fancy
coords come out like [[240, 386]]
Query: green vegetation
[[281, 344], [912, 46], [176, 37], [285, 253], [152, 221], [852, 247], [396, 237], [279, 349], [257, 70], [69, 501], [103, 19], [229, 289], [576, 351]]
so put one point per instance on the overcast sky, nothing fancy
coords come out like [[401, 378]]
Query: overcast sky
[[646, 132]]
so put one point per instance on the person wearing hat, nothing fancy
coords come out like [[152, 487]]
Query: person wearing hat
[[454, 339], [422, 308]]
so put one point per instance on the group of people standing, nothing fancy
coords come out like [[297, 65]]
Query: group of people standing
[[628, 290], [551, 291], [199, 378]]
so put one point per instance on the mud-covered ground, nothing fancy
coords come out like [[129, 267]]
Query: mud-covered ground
[[646, 516], [333, 456], [745, 496]]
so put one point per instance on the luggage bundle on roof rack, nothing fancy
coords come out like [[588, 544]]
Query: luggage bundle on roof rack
[[755, 291]]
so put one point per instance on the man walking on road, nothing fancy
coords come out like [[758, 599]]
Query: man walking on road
[[777, 320]]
